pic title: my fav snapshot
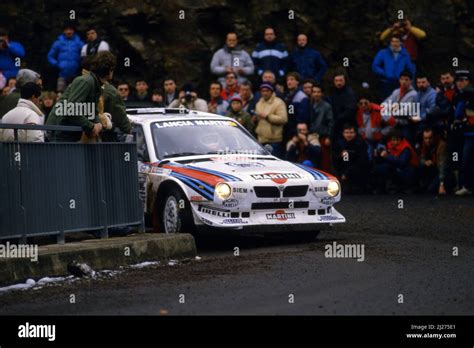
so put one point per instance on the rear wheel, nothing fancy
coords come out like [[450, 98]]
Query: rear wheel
[[173, 213]]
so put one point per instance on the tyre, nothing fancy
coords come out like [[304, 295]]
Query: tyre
[[173, 213]]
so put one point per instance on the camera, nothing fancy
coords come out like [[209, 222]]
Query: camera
[[188, 97]]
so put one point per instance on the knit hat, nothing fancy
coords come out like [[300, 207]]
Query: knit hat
[[267, 85], [236, 97], [26, 75]]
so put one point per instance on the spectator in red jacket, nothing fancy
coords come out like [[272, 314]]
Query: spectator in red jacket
[[231, 86], [396, 164], [371, 126]]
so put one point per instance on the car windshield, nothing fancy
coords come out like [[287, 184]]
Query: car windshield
[[202, 137]]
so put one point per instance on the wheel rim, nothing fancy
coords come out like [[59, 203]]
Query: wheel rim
[[171, 216]]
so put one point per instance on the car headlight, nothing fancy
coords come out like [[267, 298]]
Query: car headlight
[[333, 188], [223, 191]]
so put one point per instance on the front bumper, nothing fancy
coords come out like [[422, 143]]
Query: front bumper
[[221, 218]]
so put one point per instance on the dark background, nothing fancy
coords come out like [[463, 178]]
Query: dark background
[[159, 44]]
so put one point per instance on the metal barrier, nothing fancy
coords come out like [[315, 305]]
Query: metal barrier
[[55, 188]]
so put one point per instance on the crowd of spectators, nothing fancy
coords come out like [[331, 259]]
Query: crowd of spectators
[[409, 133]]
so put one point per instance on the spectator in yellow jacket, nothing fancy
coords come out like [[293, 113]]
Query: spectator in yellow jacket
[[271, 117]]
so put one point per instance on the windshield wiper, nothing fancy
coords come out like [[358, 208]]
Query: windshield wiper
[[182, 154]]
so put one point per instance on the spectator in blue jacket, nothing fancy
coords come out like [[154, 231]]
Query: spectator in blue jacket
[[426, 98], [307, 61], [297, 103], [65, 55], [388, 65], [270, 55], [9, 51]]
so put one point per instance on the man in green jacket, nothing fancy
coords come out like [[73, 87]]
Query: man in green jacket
[[237, 113], [78, 106]]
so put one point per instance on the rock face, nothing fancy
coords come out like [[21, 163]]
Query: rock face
[[178, 37]]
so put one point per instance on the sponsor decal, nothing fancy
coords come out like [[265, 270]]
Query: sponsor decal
[[188, 123], [328, 200], [328, 218], [214, 212], [144, 168], [280, 215], [234, 221], [230, 203], [196, 198], [321, 189], [239, 190], [206, 221], [245, 164], [277, 178]]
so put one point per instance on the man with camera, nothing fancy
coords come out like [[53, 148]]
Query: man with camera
[[409, 35], [188, 99], [303, 148], [9, 51]]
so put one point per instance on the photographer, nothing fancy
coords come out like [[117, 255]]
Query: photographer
[[9, 51], [189, 99], [303, 148], [409, 34]]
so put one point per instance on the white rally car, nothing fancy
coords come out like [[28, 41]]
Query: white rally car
[[205, 171]]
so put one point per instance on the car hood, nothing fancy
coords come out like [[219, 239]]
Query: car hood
[[260, 169]]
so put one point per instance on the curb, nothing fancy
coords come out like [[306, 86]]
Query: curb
[[99, 254]]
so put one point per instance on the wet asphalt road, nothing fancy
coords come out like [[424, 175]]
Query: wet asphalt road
[[408, 252]]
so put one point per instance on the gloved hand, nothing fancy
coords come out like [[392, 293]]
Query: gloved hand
[[106, 120]]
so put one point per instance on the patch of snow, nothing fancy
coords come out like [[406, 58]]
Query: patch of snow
[[145, 264]]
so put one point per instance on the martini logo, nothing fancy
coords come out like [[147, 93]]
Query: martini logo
[[280, 215], [277, 178]]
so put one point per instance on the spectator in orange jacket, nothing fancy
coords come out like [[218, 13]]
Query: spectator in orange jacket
[[231, 86], [371, 126], [395, 163]]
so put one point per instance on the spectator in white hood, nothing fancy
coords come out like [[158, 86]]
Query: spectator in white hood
[[27, 111]]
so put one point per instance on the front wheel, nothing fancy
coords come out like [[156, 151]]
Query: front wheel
[[174, 213]]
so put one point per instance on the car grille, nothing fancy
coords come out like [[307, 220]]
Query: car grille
[[267, 191], [295, 191], [274, 192], [279, 205]]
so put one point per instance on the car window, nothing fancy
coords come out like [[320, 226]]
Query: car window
[[142, 151], [202, 137]]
